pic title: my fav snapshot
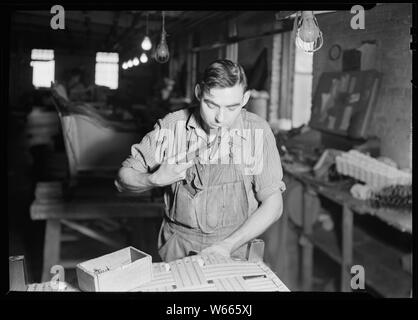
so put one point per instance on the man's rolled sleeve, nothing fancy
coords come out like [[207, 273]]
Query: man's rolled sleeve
[[270, 179], [142, 156]]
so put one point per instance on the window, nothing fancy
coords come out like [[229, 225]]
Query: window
[[302, 88], [43, 65], [107, 69]]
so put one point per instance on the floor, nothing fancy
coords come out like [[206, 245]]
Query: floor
[[26, 166]]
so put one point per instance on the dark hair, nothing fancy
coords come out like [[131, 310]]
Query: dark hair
[[223, 74]]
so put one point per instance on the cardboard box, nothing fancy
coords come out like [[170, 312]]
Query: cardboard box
[[122, 270]]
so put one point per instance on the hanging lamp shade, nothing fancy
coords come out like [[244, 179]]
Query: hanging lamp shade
[[146, 42], [144, 58], [162, 53], [308, 35]]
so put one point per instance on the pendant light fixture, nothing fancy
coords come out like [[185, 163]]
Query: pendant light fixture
[[161, 53], [146, 43], [308, 36], [143, 58]]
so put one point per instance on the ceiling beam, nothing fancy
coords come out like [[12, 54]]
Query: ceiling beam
[[286, 27]]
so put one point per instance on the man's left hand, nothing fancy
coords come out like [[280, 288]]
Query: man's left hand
[[220, 248]]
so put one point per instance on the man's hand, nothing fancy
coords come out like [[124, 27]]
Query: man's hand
[[221, 248], [170, 172]]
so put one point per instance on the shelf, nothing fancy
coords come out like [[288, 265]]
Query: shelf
[[397, 218], [381, 262]]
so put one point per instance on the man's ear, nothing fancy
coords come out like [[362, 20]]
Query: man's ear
[[246, 97], [197, 92]]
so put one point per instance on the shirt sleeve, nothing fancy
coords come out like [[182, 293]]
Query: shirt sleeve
[[270, 178], [143, 154]]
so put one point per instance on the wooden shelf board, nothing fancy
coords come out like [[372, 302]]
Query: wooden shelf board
[[397, 218], [382, 264]]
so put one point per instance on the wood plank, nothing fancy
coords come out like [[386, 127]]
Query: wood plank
[[191, 271], [69, 263], [99, 236], [231, 273], [384, 274], [178, 278], [242, 283], [199, 272], [17, 274], [95, 209], [208, 287], [236, 284], [347, 249], [51, 247], [227, 284], [187, 281], [255, 250], [307, 248], [231, 266], [283, 256], [100, 188], [273, 277], [260, 284], [219, 285]]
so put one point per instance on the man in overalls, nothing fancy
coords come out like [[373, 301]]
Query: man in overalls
[[219, 165]]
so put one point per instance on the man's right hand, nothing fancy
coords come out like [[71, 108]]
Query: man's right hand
[[170, 172]]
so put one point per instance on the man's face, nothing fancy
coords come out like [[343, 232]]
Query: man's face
[[220, 107]]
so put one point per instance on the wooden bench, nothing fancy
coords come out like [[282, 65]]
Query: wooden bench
[[73, 208]]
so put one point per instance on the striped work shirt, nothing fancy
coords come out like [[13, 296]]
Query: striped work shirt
[[250, 141]]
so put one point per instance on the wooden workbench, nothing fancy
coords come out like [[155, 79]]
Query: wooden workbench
[[90, 202], [206, 273], [381, 262]]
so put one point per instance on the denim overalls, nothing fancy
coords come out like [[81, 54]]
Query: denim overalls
[[203, 209]]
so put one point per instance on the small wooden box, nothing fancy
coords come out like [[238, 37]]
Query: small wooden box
[[122, 270]]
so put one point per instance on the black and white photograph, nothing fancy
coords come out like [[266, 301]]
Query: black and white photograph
[[254, 151]]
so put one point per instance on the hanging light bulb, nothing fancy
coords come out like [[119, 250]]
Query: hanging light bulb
[[161, 53], [308, 36], [130, 63], [143, 58], [135, 61], [146, 43], [124, 66]]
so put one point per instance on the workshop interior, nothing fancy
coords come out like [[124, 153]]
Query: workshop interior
[[333, 85]]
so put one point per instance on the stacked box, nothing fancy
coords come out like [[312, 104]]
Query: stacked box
[[373, 172], [122, 270]]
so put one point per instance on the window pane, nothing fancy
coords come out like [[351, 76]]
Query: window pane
[[42, 54], [43, 73], [302, 89], [302, 97], [303, 61], [111, 57], [107, 74]]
